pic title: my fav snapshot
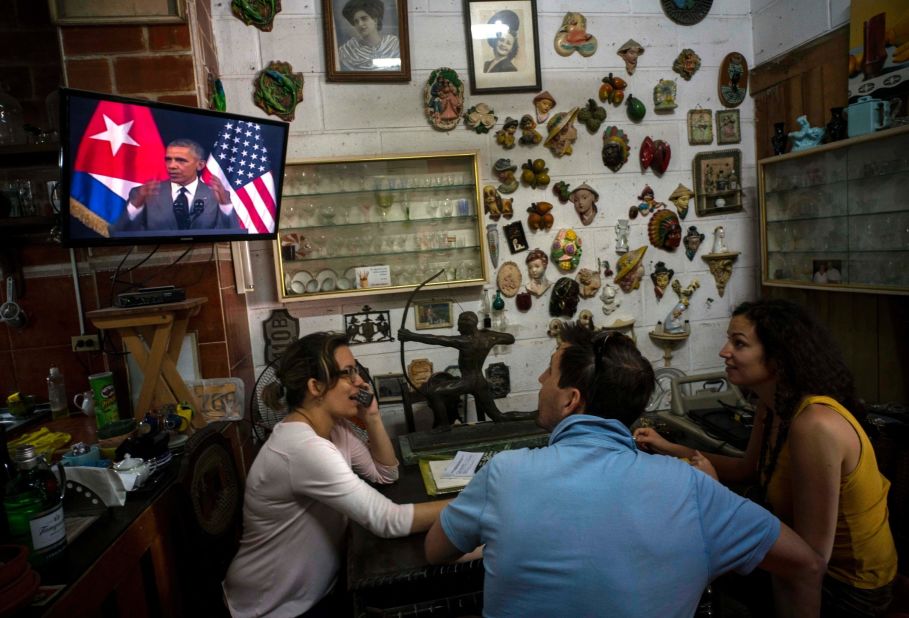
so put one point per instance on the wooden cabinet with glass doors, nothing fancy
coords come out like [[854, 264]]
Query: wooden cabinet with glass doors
[[836, 216], [379, 225]]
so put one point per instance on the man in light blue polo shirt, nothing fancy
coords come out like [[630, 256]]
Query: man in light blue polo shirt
[[591, 526]]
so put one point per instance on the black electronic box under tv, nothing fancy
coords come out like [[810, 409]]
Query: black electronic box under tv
[[151, 296], [142, 172]]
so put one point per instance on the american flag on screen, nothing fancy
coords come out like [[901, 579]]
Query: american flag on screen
[[240, 160]]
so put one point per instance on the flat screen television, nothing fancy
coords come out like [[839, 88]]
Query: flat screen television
[[142, 172]]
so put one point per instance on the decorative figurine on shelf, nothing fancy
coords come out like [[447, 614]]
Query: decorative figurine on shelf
[[539, 217], [629, 51], [630, 269], [564, 299], [589, 282], [443, 99], [648, 203], [494, 205], [779, 139], [566, 249], [562, 133], [535, 173], [733, 79], [609, 298], [664, 96], [687, 63], [635, 108], [536, 262], [680, 197], [661, 277], [505, 135], [693, 240], [508, 279], [674, 322], [492, 243], [481, 118], [655, 155], [807, 136], [584, 197], [615, 148], [543, 104], [836, 128], [621, 236], [562, 190], [504, 171], [592, 116], [664, 230], [529, 134], [573, 36], [719, 240], [279, 90], [612, 89]]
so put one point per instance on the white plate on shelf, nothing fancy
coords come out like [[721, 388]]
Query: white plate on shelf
[[299, 282], [327, 280]]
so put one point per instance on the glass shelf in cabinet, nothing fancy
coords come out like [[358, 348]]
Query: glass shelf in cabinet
[[371, 191], [391, 251], [351, 224]]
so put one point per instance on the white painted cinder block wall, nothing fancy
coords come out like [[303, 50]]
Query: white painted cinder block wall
[[380, 119]]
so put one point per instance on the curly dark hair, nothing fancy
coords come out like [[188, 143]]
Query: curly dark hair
[[614, 379], [373, 8], [806, 361], [310, 357]]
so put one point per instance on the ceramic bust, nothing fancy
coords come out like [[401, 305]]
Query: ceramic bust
[[629, 52], [589, 281], [509, 279], [504, 171], [692, 240], [719, 240], [584, 197], [562, 132], [630, 269], [680, 197], [660, 278], [687, 63], [615, 148], [529, 135], [481, 118], [443, 98], [664, 230], [537, 261], [543, 103], [573, 36], [505, 135], [674, 322], [621, 236], [608, 297]]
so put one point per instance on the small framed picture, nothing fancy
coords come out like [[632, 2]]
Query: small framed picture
[[366, 40], [827, 271], [388, 387], [700, 127], [433, 314], [503, 52], [728, 127], [717, 181]]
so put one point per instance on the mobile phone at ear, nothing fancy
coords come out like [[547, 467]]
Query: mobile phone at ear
[[364, 397]]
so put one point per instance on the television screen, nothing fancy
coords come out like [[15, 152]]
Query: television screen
[[142, 172]]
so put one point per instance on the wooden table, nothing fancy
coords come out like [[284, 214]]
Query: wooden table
[[153, 335]]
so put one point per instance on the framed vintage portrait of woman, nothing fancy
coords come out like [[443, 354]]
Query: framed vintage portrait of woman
[[366, 40], [503, 52]]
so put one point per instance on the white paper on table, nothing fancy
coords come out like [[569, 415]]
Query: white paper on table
[[464, 465]]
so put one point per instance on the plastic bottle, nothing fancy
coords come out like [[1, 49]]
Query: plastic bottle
[[56, 394], [12, 125], [33, 501]]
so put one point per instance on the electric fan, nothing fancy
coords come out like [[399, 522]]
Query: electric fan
[[263, 416]]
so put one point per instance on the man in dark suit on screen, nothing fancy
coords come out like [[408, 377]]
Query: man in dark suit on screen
[[184, 203]]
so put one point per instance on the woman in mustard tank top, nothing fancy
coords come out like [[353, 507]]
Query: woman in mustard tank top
[[808, 454]]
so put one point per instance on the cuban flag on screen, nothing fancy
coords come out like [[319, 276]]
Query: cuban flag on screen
[[240, 160], [121, 148]]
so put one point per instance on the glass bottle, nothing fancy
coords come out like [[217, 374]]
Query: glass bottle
[[486, 310], [12, 125], [56, 394], [33, 501], [7, 472]]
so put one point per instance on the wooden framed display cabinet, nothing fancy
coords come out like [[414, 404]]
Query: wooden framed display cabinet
[[378, 225], [836, 217]]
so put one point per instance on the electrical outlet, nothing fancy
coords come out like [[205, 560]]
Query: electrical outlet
[[86, 343]]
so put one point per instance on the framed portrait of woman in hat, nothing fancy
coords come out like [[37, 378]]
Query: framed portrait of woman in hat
[[503, 52], [366, 40]]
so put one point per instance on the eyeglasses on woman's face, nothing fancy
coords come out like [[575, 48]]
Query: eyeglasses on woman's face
[[351, 374]]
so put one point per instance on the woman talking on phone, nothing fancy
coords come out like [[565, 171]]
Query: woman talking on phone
[[808, 454], [303, 486]]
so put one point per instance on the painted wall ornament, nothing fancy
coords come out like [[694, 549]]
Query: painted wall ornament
[[660, 278], [535, 173], [494, 205], [700, 126], [480, 118], [681, 197], [692, 241], [720, 260], [258, 13], [443, 99], [592, 116], [504, 171], [562, 133], [589, 282], [806, 136], [573, 36], [508, 279], [615, 148], [543, 104], [687, 63], [675, 322], [733, 79], [648, 203], [529, 134], [278, 90], [655, 154], [629, 51], [664, 96], [566, 250], [621, 236], [686, 12], [563, 301], [630, 269], [585, 319], [584, 197], [562, 190], [539, 216], [612, 90], [664, 230], [505, 135], [536, 262], [609, 298], [514, 234], [492, 243], [635, 108]]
